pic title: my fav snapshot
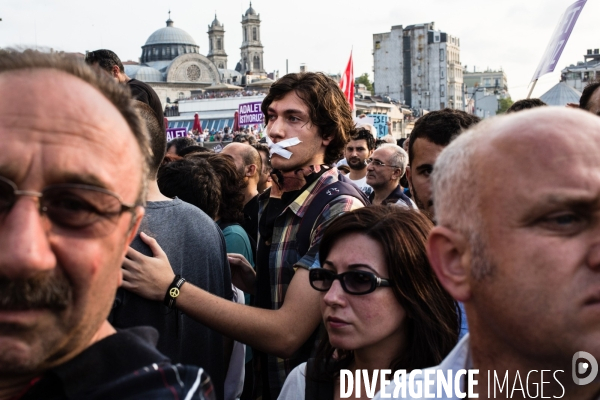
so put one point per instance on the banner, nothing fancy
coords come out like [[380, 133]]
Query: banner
[[380, 123], [347, 83], [559, 39], [250, 114], [173, 133]]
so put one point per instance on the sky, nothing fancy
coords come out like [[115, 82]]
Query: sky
[[510, 34]]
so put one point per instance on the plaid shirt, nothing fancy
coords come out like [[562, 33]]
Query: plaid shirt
[[284, 258]]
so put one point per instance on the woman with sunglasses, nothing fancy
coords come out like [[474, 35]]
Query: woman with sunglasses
[[381, 304]]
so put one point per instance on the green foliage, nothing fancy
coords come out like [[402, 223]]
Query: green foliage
[[504, 104], [364, 79]]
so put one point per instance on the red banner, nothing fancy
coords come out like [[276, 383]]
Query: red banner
[[347, 83]]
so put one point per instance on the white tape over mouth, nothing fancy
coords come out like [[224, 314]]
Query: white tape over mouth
[[279, 148]]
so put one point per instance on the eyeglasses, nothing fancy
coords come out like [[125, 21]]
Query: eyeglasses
[[353, 282], [73, 209], [378, 163]]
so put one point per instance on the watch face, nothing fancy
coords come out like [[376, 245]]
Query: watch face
[[174, 292]]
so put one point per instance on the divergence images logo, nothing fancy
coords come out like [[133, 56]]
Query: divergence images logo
[[581, 368]]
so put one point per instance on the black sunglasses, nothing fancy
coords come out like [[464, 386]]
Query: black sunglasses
[[353, 282], [73, 209]]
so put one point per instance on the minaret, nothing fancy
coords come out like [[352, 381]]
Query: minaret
[[252, 48], [216, 44]]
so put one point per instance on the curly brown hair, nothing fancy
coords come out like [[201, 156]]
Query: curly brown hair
[[328, 109], [231, 205]]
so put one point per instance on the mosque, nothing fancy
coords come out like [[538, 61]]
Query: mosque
[[172, 64]]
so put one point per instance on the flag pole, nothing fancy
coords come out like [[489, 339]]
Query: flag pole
[[531, 90]]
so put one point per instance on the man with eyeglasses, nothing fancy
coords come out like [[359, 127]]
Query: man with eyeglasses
[[385, 168], [72, 172]]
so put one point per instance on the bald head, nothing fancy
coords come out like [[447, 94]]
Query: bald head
[[508, 147], [517, 200], [244, 155]]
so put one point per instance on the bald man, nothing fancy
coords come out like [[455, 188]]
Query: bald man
[[525, 262], [249, 163]]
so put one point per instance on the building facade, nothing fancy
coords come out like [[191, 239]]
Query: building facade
[[172, 64], [252, 48], [418, 66], [216, 44], [585, 72], [483, 91]]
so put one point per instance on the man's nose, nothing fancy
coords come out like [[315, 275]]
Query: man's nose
[[24, 240], [276, 128]]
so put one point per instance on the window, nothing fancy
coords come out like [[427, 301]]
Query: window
[[441, 54], [245, 34], [256, 62], [377, 45], [442, 90], [219, 44], [181, 95], [254, 34], [487, 82]]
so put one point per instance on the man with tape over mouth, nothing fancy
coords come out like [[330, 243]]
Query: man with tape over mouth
[[308, 124]]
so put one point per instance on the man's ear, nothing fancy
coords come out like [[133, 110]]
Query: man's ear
[[115, 71], [449, 256], [135, 224], [250, 170]]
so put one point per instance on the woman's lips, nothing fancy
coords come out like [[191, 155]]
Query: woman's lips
[[336, 322]]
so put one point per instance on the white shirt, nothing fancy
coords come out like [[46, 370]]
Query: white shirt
[[294, 387], [457, 359], [362, 185]]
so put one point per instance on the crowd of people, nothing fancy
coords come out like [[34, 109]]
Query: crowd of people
[[133, 268]]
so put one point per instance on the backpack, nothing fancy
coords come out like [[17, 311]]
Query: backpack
[[343, 186]]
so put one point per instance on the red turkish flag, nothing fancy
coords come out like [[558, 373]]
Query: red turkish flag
[[347, 83]]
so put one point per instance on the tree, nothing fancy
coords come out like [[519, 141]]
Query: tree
[[364, 79], [504, 104]]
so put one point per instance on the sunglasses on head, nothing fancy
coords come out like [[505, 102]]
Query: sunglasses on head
[[353, 282], [73, 209]]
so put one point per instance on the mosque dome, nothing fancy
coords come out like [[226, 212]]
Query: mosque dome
[[148, 74], [171, 35], [168, 43]]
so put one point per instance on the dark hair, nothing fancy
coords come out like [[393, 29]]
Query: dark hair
[[328, 109], [525, 104], [244, 138], [193, 181], [364, 134], [158, 139], [263, 148], [117, 95], [106, 59], [586, 95], [231, 204], [181, 143], [440, 127], [193, 149], [433, 319]]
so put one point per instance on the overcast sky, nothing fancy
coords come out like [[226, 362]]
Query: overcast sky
[[509, 34]]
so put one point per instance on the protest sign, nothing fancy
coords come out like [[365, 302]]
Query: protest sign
[[173, 133], [250, 114], [380, 123]]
